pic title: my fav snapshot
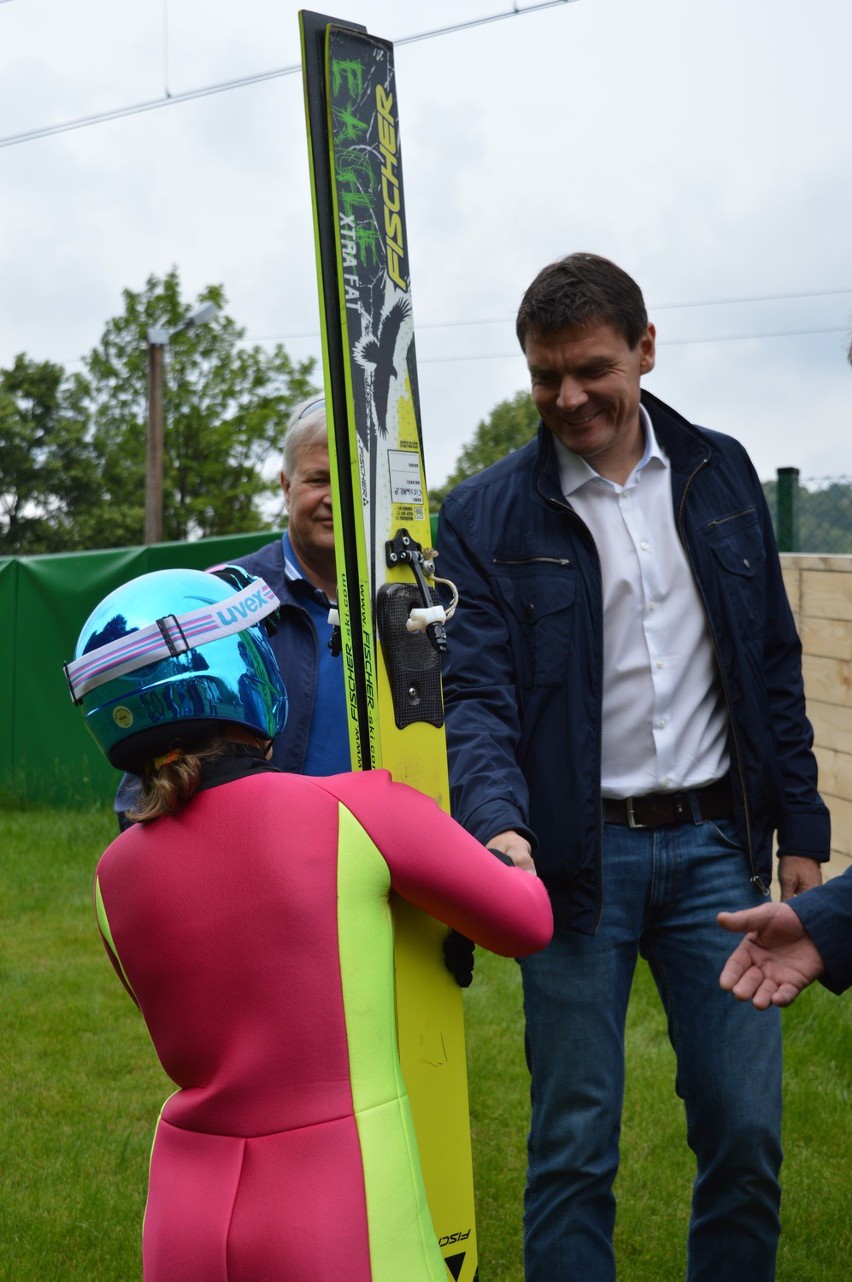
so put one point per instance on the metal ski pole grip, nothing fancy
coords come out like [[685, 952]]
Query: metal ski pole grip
[[412, 653]]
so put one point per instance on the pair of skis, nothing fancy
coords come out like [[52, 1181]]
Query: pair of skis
[[382, 537]]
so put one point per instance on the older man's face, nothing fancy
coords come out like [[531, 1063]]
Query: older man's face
[[307, 493]]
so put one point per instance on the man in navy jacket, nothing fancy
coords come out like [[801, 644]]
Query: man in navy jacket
[[300, 569], [625, 716]]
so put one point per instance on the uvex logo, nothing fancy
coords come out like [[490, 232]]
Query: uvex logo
[[249, 605]]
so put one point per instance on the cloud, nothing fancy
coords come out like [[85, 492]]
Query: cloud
[[704, 147]]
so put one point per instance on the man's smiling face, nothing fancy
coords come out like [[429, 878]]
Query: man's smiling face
[[585, 385]]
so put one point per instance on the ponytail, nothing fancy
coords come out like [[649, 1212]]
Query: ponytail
[[171, 780]]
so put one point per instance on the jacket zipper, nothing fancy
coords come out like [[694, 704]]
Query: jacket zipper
[[756, 880], [711, 525], [566, 507], [530, 560]]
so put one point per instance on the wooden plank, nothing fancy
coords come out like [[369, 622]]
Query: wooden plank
[[841, 825], [826, 638], [832, 725], [835, 773], [826, 594], [828, 680]]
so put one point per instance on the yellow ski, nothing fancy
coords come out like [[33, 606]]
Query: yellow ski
[[382, 535]]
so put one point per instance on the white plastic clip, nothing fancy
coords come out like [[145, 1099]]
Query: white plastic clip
[[419, 618]]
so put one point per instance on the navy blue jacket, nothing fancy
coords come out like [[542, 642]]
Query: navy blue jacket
[[826, 914], [524, 672]]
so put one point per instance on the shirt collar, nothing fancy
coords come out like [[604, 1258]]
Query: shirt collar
[[295, 576], [574, 471], [292, 569]]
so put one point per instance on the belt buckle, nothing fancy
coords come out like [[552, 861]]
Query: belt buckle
[[632, 821]]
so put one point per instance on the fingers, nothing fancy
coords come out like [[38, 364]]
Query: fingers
[[748, 919], [748, 981], [516, 847]]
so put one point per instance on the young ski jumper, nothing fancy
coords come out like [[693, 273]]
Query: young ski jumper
[[252, 927]]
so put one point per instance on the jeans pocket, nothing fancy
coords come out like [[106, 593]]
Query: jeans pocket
[[726, 832]]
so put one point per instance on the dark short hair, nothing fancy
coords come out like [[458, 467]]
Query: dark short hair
[[579, 291]]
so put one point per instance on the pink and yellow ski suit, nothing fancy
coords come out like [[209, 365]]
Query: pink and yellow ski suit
[[254, 931]]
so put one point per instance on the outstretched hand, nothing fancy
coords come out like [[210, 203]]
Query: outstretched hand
[[775, 961]]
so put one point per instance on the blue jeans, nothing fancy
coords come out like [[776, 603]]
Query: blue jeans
[[662, 890]]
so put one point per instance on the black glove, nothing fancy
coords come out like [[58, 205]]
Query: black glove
[[458, 958]]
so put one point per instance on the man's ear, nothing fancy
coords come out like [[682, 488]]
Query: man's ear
[[647, 350]]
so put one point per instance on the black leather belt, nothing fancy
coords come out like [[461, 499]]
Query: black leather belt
[[659, 809]]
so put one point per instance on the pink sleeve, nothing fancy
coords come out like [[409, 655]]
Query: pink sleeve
[[444, 871]]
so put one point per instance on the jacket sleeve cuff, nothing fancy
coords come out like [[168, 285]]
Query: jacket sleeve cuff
[[806, 834], [489, 819]]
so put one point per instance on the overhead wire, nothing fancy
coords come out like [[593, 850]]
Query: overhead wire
[[170, 99], [508, 356], [661, 342], [653, 308]]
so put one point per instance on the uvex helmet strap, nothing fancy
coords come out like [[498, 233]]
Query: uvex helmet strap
[[171, 635]]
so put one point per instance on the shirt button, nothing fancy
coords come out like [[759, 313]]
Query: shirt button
[[661, 723], [659, 663], [644, 545], [652, 605]]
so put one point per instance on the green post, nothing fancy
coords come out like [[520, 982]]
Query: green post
[[787, 514]]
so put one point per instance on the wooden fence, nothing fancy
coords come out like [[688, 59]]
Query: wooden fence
[[820, 592]]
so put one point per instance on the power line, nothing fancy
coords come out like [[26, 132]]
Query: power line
[[656, 307], [665, 342], [511, 355], [169, 99], [764, 298]]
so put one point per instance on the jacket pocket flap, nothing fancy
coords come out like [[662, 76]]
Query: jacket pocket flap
[[533, 595]]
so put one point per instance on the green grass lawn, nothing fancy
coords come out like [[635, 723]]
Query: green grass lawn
[[80, 1090]]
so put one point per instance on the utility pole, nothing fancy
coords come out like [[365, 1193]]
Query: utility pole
[[157, 341], [154, 452]]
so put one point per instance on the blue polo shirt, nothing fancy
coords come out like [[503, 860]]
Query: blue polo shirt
[[328, 740]]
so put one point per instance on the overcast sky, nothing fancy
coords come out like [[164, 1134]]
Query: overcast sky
[[702, 144]]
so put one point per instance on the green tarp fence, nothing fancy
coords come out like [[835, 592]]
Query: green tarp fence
[[46, 755]]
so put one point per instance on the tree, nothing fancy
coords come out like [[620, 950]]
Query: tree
[[510, 425], [73, 448], [47, 465], [225, 408]]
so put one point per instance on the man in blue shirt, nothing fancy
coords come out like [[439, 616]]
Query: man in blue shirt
[[300, 569]]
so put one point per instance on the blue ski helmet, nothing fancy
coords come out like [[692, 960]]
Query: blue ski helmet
[[172, 655]]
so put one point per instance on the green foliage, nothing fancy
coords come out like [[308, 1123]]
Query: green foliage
[[73, 448], [47, 465], [509, 426], [225, 407], [823, 515]]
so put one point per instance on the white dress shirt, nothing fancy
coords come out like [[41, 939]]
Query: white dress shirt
[[664, 721]]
